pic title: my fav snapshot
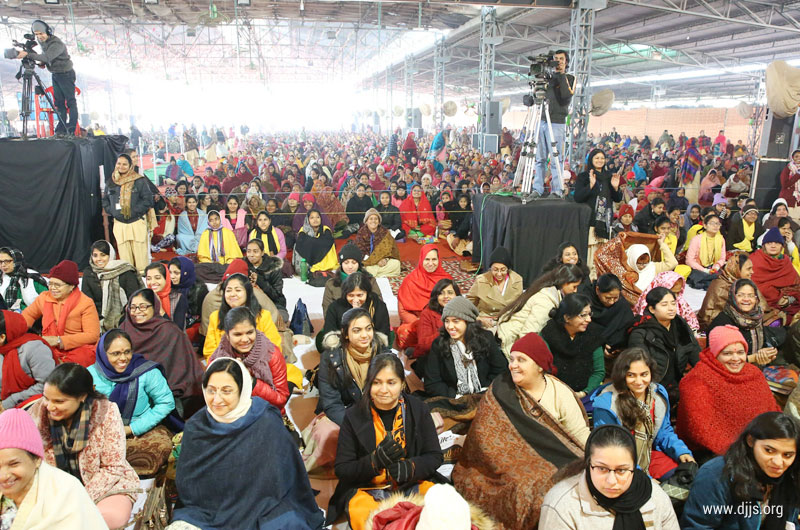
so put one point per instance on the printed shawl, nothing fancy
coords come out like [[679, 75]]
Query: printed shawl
[[125, 184], [256, 361], [114, 297], [668, 279], [376, 246]]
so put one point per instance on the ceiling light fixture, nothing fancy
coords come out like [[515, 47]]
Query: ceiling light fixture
[[51, 1], [243, 2], [151, 1]]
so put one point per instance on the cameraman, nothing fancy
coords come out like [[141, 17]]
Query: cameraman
[[55, 56], [560, 88]]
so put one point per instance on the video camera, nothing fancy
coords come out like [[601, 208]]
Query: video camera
[[542, 68], [27, 46]]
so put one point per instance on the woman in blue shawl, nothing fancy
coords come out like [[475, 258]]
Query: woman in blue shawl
[[238, 465]]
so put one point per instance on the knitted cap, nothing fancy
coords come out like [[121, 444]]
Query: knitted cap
[[350, 251], [500, 255], [237, 266], [750, 208], [719, 199], [625, 209], [460, 307], [18, 431], [38, 25], [536, 348], [371, 212], [444, 508], [66, 271], [773, 235], [294, 195], [723, 336], [308, 197]]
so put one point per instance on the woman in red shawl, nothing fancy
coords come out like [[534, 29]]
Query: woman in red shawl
[[415, 291], [774, 274], [25, 361], [409, 148], [417, 215]]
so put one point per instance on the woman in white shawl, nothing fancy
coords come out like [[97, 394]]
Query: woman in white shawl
[[640, 261], [33, 494]]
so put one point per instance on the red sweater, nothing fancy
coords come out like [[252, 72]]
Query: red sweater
[[427, 330], [715, 405]]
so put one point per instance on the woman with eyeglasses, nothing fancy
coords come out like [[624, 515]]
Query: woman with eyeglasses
[[238, 467], [19, 286], [755, 485], [577, 344], [606, 491], [496, 288], [706, 254], [721, 395]]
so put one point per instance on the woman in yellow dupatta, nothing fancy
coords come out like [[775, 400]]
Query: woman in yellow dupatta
[[387, 444], [217, 244]]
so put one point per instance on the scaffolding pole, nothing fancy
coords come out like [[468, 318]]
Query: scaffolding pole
[[490, 37], [757, 117], [389, 102], [438, 84], [581, 30], [409, 88]]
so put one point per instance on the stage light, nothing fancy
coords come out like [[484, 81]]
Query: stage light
[[51, 1]]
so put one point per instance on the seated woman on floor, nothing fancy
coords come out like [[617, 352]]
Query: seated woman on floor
[[663, 226], [350, 260], [707, 420], [465, 358], [315, 245], [271, 236], [635, 402], [109, 282], [531, 310], [577, 345], [743, 311], [775, 276], [676, 284], [390, 215], [496, 288], [217, 244], [417, 214], [784, 225], [706, 254], [73, 334], [610, 311], [141, 393], [536, 423], [235, 219], [83, 434], [357, 206], [745, 231], [184, 280], [192, 224], [415, 290], [387, 444], [243, 341], [25, 362], [39, 495], [567, 254], [355, 293], [668, 339], [247, 438], [174, 305], [342, 374], [160, 340], [19, 285], [640, 261], [608, 491], [761, 466], [382, 257], [430, 319], [265, 275]]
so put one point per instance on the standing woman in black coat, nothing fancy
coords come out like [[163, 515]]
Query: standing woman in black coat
[[598, 188], [387, 444]]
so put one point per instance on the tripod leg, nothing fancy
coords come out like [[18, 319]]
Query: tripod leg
[[555, 159], [50, 100], [530, 168], [523, 157]]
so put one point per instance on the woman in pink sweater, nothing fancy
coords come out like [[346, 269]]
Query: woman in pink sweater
[[706, 253]]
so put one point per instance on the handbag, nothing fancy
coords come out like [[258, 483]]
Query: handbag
[[300, 323], [678, 485]]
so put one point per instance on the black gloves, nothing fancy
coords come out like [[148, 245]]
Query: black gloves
[[401, 471], [387, 452]]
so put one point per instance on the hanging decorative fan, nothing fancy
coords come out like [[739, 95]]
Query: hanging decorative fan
[[783, 88], [602, 101], [12, 114], [425, 109], [450, 108], [745, 109]]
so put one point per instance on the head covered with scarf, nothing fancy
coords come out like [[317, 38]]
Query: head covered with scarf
[[668, 279]]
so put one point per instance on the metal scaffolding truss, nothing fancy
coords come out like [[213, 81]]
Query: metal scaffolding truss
[[439, 61], [580, 53], [490, 37], [409, 82]]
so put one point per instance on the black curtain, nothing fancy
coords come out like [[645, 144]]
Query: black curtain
[[50, 196], [532, 232]]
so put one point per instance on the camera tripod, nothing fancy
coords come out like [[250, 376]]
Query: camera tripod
[[537, 106], [28, 73]]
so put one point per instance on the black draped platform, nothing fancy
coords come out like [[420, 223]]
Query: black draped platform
[[50, 196], [532, 232]]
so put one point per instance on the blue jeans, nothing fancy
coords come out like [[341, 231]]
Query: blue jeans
[[542, 152]]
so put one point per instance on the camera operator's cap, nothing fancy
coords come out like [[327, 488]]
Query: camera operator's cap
[[39, 26]]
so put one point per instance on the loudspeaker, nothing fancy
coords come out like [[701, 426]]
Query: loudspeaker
[[776, 136], [477, 141], [414, 118], [493, 116], [491, 143], [766, 185]]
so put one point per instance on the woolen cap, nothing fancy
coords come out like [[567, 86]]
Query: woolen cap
[[536, 348], [773, 235], [237, 266], [18, 431], [371, 212], [66, 271], [723, 336], [38, 25], [444, 508], [500, 255], [460, 307], [351, 251]]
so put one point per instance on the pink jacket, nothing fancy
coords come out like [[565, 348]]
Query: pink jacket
[[104, 469], [693, 254]]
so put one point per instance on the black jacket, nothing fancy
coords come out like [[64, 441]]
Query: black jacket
[[390, 217], [337, 309], [54, 55], [559, 96], [357, 442], [440, 370], [735, 233], [672, 361], [602, 186], [773, 337], [179, 306], [645, 219], [337, 388], [270, 279], [141, 200], [90, 286]]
